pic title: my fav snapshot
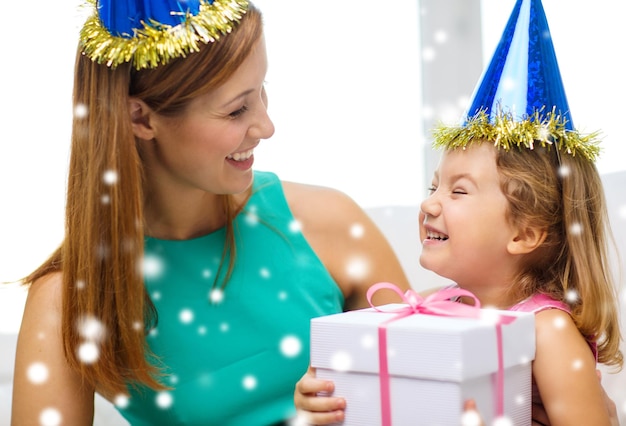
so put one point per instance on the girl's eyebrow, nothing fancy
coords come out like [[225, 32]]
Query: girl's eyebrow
[[459, 176]]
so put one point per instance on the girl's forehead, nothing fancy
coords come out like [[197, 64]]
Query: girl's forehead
[[476, 152], [478, 160]]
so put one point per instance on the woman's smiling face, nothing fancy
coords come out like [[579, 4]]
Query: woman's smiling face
[[210, 147]]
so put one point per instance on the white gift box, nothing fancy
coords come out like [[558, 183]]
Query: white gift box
[[434, 364]]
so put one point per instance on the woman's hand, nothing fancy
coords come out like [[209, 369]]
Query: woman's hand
[[317, 409], [540, 417]]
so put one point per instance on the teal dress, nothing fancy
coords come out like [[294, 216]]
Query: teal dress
[[233, 357]]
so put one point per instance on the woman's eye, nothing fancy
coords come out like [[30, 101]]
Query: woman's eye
[[459, 191], [432, 189], [239, 112]]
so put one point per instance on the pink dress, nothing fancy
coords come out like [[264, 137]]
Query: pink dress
[[540, 302]]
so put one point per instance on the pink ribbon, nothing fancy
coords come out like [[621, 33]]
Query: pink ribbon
[[440, 303]]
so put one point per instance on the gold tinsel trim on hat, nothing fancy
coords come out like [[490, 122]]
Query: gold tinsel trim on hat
[[156, 44], [505, 132]]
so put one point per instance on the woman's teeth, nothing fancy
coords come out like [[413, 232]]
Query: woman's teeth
[[241, 156]]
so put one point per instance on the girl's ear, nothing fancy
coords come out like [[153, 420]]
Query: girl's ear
[[140, 119], [527, 239]]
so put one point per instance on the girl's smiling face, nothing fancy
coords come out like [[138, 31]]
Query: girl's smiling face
[[464, 227]]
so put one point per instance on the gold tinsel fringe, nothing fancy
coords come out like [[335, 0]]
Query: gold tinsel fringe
[[505, 132], [156, 44]]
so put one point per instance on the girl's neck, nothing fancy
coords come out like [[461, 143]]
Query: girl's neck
[[498, 298]]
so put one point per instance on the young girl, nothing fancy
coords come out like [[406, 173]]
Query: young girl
[[516, 215], [184, 287], [507, 227]]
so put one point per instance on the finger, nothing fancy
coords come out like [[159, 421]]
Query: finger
[[470, 416], [539, 414], [610, 404], [308, 418], [309, 385]]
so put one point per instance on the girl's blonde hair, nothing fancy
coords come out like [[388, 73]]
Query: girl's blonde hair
[[564, 195], [101, 255]]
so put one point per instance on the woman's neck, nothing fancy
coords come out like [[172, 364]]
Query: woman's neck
[[184, 217]]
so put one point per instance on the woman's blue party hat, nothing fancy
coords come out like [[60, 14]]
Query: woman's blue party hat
[[520, 99], [149, 33]]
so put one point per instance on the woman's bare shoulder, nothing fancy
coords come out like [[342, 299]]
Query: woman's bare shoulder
[[43, 380], [320, 204], [346, 239]]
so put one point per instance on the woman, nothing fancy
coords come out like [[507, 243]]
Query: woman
[[183, 289]]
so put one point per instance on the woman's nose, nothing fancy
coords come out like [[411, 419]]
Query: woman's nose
[[263, 128]]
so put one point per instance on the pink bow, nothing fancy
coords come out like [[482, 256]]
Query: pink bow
[[441, 303]]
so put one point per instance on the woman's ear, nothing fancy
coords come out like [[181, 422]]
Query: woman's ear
[[140, 119], [527, 239]]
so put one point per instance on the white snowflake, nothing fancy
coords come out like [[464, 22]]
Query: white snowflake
[[564, 171], [341, 361], [109, 177], [249, 382], [152, 266], [121, 400], [503, 421], [88, 352], [37, 373], [471, 418], [50, 417], [264, 273], [428, 54], [216, 295], [441, 36], [559, 323], [571, 296], [90, 328], [164, 400], [295, 226], [80, 111], [290, 346], [357, 268], [368, 341], [185, 316], [357, 231], [576, 229]]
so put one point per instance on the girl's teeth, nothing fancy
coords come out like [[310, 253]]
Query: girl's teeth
[[437, 236]]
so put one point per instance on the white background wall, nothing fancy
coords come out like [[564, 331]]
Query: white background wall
[[344, 87]]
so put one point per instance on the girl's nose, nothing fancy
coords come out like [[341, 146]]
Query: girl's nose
[[429, 207]]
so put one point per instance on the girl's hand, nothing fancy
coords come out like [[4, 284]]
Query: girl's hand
[[317, 409]]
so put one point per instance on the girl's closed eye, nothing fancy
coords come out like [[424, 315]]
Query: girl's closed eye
[[238, 112], [431, 189]]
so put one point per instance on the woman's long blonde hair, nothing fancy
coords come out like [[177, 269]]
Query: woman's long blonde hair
[[101, 255], [564, 195]]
